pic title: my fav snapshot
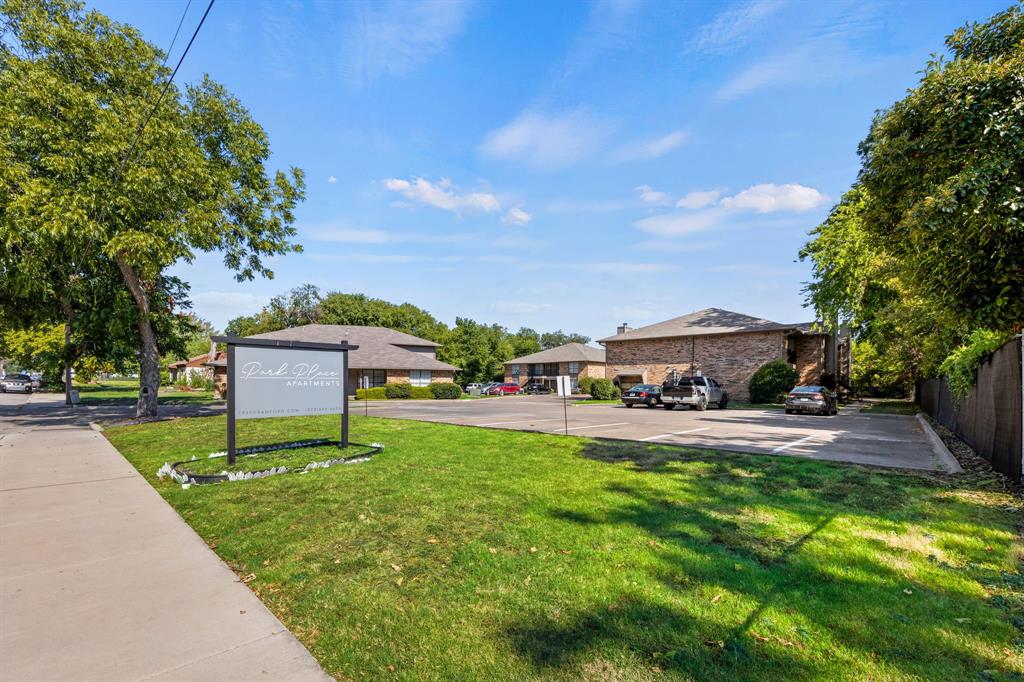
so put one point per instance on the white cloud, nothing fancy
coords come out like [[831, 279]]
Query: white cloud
[[443, 195], [517, 216], [331, 180], [521, 307], [677, 222], [653, 148], [734, 26], [771, 198], [699, 199], [393, 38], [359, 235], [649, 195], [546, 141]]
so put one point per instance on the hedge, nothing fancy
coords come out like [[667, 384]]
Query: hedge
[[772, 382], [397, 391], [446, 391], [375, 393], [585, 383], [604, 389], [422, 393]]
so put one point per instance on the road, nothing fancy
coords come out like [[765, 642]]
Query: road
[[879, 440]]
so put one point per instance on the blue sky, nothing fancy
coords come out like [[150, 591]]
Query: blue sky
[[555, 165]]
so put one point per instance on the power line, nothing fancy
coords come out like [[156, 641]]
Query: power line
[[167, 85], [175, 38]]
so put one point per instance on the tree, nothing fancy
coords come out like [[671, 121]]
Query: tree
[[560, 338], [478, 350], [97, 145], [944, 168]]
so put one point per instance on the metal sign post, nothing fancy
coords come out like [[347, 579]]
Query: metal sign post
[[278, 378], [565, 390]]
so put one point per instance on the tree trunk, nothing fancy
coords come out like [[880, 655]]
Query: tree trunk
[[149, 355], [68, 314]]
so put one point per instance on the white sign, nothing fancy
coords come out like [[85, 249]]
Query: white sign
[[564, 385], [287, 382]]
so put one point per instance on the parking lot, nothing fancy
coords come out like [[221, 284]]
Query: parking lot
[[875, 439]]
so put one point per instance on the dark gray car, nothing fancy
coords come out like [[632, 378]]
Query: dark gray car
[[816, 399]]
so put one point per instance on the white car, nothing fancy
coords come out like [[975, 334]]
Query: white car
[[470, 387]]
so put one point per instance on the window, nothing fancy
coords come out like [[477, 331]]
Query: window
[[373, 378], [514, 370], [574, 368], [419, 377]]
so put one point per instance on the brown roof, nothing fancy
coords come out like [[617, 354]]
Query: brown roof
[[379, 347], [197, 361], [705, 323], [570, 352]]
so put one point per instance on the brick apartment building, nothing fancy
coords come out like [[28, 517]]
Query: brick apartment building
[[724, 345], [574, 360]]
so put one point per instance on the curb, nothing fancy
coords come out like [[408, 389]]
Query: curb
[[946, 459]]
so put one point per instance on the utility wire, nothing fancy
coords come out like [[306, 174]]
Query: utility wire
[[176, 31], [167, 85]]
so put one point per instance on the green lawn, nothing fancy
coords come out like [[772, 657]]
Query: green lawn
[[127, 391], [466, 553], [891, 407]]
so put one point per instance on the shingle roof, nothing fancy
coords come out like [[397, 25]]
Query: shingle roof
[[570, 352], [379, 347], [705, 323]]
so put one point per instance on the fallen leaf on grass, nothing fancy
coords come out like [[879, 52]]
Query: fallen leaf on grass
[[249, 578], [400, 581], [396, 567], [492, 550], [717, 598], [432, 541], [714, 643], [533, 550], [908, 592], [962, 620]]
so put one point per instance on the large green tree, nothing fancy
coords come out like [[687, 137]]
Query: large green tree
[[99, 149], [944, 168]]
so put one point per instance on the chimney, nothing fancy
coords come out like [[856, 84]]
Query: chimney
[[623, 328]]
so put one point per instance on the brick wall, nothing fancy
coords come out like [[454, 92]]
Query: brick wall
[[587, 369], [401, 376], [731, 359], [810, 358]]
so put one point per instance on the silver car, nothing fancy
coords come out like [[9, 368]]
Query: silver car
[[17, 383]]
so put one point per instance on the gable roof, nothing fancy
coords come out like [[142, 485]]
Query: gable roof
[[705, 323], [570, 352], [379, 347], [197, 361]]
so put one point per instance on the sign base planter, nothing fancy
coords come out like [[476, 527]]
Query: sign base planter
[[180, 473]]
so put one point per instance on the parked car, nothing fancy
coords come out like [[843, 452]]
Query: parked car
[[697, 391], [537, 388], [817, 399], [485, 387], [17, 383], [504, 389], [643, 394], [470, 387]]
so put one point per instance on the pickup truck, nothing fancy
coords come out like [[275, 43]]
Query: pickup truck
[[698, 392]]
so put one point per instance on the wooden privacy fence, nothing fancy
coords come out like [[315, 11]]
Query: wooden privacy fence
[[990, 418]]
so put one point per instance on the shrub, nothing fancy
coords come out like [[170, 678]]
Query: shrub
[[585, 383], [772, 381], [604, 389], [961, 367], [421, 393], [375, 393], [397, 391], [200, 382], [446, 391]]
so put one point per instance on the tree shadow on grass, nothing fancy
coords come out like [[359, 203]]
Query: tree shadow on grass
[[765, 533]]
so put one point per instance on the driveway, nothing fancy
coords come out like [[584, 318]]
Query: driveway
[[879, 440]]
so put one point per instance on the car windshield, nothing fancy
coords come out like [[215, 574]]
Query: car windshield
[[695, 381], [806, 389], [15, 377], [644, 387]]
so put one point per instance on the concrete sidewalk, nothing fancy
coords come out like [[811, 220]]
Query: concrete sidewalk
[[100, 579]]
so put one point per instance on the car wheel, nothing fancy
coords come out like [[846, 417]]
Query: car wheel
[[723, 402], [629, 404], [651, 404], [789, 411], [701, 405], [670, 406]]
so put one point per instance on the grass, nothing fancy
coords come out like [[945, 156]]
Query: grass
[[127, 391], [467, 553], [891, 407], [595, 401]]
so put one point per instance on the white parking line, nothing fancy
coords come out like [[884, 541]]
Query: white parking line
[[521, 421], [597, 426], [796, 442], [676, 433]]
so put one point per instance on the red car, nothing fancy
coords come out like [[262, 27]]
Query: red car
[[504, 389]]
